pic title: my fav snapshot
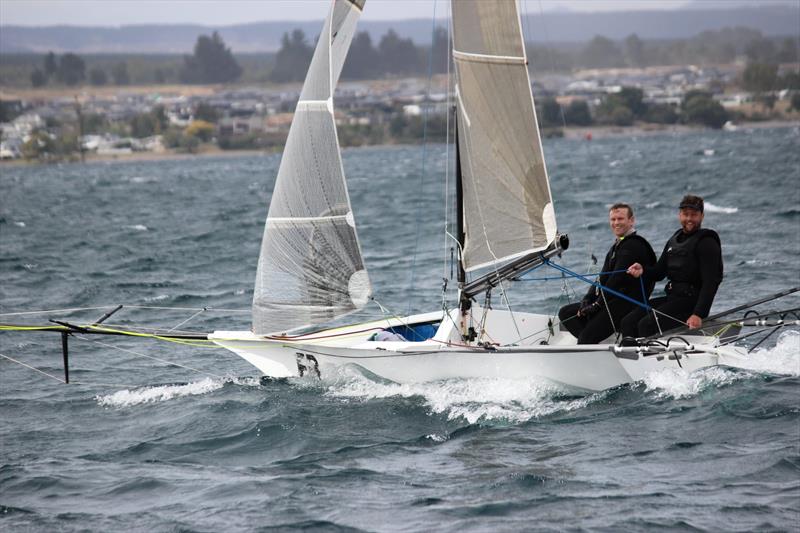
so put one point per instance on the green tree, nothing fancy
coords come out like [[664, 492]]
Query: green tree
[[795, 101], [93, 123], [147, 124], [71, 69], [50, 64], [293, 58], [97, 76], [700, 108], [38, 78], [363, 61], [549, 113], [634, 51], [399, 56], [601, 52], [788, 51], [633, 99], [120, 74], [661, 114], [206, 112], [760, 77], [761, 51], [440, 50], [577, 113], [212, 62], [200, 129], [790, 80], [40, 145]]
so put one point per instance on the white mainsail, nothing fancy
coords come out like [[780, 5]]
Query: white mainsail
[[310, 269], [508, 208]]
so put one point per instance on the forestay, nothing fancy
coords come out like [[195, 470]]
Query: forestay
[[310, 269], [508, 209]]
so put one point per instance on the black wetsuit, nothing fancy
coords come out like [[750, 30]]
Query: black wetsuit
[[693, 264], [598, 325]]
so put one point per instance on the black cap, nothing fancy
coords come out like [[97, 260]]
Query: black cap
[[692, 202]]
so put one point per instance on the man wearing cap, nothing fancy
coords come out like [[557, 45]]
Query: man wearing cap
[[598, 315], [692, 263]]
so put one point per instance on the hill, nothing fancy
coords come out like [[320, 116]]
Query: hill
[[559, 27]]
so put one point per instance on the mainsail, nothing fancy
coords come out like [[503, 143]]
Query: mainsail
[[310, 269], [507, 205]]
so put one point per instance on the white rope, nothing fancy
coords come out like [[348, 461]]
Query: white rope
[[68, 310], [76, 309], [32, 368], [147, 356], [187, 320]]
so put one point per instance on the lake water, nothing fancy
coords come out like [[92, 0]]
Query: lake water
[[140, 443]]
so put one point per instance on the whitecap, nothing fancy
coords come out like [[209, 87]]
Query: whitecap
[[678, 383], [652, 205], [143, 179], [137, 227], [162, 393], [158, 298], [782, 359], [19, 224], [474, 400], [615, 163], [711, 208]]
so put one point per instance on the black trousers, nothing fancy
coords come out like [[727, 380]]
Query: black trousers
[[641, 323], [599, 326]]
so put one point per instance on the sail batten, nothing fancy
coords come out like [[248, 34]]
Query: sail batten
[[508, 209], [311, 269]]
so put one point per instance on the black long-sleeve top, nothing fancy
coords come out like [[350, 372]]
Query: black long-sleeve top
[[630, 249], [709, 261]]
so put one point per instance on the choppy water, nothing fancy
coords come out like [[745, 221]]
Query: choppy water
[[141, 444]]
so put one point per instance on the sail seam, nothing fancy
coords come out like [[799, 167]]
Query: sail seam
[[488, 58], [305, 219]]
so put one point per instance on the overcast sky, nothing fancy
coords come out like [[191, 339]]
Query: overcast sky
[[223, 13]]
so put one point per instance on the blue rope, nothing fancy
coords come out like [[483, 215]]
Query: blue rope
[[562, 277], [644, 292], [599, 286]]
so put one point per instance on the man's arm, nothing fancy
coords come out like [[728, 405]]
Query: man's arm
[[709, 259]]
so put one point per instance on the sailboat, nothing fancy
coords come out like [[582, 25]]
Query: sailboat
[[311, 271]]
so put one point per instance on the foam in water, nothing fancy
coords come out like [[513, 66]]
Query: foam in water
[[782, 359], [162, 393], [137, 227], [474, 400], [711, 208]]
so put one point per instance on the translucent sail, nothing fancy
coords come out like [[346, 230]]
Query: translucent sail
[[310, 269], [508, 209]]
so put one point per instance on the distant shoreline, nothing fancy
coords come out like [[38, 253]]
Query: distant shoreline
[[572, 133]]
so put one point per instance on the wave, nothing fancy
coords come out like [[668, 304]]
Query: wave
[[160, 393], [782, 359], [137, 227], [474, 400], [711, 208]]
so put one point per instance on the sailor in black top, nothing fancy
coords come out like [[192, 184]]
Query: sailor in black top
[[599, 314], [692, 262]]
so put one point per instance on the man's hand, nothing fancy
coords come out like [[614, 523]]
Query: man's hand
[[635, 270], [694, 322], [588, 309]]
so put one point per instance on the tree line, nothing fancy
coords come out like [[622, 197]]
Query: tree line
[[213, 62]]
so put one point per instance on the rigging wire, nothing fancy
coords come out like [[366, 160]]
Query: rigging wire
[[426, 110]]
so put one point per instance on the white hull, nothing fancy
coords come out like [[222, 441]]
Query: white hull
[[561, 361]]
